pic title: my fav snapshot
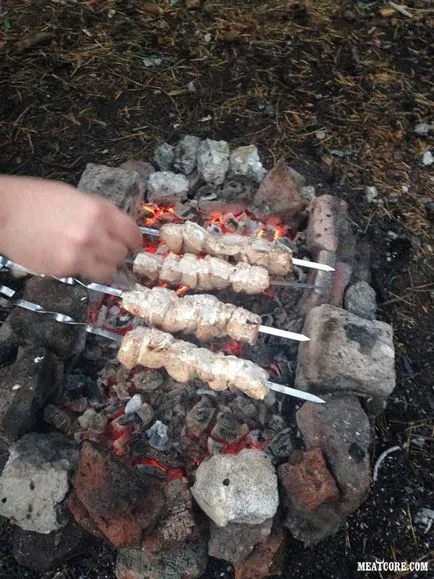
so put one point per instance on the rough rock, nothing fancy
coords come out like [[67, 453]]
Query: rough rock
[[164, 156], [308, 192], [185, 561], [25, 387], [167, 187], [308, 483], [245, 161], [8, 343], [341, 429], [427, 159], [34, 481], [312, 527], [213, 161], [177, 524], [142, 168], [237, 488], [297, 177], [372, 194], [346, 353], [278, 194], [266, 559], [186, 152], [62, 339], [43, 552], [122, 187], [121, 504], [329, 228], [360, 300], [236, 541], [423, 129]]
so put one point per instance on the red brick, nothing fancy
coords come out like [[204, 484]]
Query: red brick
[[266, 559], [308, 483], [118, 501]]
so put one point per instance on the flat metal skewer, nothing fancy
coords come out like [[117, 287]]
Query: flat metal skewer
[[106, 289], [64, 319], [295, 261]]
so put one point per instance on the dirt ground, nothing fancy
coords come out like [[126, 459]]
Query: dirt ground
[[104, 81]]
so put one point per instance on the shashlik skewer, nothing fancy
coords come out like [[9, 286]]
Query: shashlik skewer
[[130, 346], [241, 321], [190, 237], [203, 315]]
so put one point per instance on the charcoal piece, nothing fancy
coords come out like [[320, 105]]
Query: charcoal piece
[[57, 417], [63, 340], [229, 428], [75, 384], [8, 344], [282, 444], [200, 417], [157, 436], [25, 387], [95, 395], [43, 552], [149, 470]]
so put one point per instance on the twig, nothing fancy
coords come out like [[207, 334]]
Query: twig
[[381, 458], [401, 9]]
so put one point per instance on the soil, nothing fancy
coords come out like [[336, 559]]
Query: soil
[[75, 88]]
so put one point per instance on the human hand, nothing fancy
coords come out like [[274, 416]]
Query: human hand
[[52, 228]]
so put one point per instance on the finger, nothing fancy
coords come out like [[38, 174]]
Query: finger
[[124, 229], [111, 251]]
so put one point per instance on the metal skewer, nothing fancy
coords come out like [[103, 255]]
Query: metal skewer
[[64, 319], [106, 289], [295, 261]]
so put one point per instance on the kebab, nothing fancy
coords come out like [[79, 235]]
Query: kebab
[[189, 237], [183, 361]]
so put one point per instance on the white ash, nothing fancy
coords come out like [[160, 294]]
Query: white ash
[[133, 404]]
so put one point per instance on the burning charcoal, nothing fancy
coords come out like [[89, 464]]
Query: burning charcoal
[[157, 436], [146, 414], [149, 470], [122, 390], [133, 404], [276, 423], [95, 395], [58, 418], [245, 409], [237, 488], [229, 428], [245, 161], [164, 155], [282, 444], [184, 211], [76, 383], [186, 154], [147, 381], [231, 223], [200, 417], [93, 420], [113, 409], [213, 160]]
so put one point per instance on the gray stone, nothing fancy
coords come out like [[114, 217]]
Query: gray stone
[[424, 519], [142, 168], [312, 527], [341, 429], [236, 541], [372, 194], [423, 129], [245, 161], [25, 387], [164, 156], [167, 187], [237, 488], [62, 339], [346, 353], [213, 161], [34, 481], [122, 187], [360, 300], [427, 159], [185, 561], [42, 552], [186, 152]]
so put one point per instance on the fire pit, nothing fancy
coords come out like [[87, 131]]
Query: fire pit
[[171, 471]]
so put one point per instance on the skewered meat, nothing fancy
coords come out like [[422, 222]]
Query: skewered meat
[[190, 237], [185, 362], [202, 274], [202, 315]]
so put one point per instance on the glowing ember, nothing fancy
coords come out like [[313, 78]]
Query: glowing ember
[[170, 473], [182, 290], [149, 214]]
